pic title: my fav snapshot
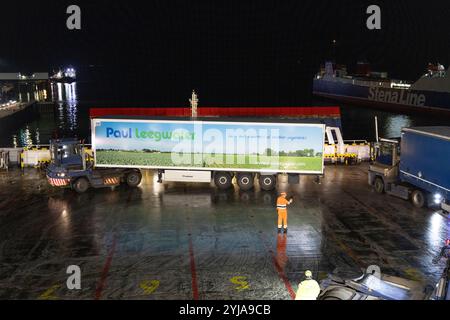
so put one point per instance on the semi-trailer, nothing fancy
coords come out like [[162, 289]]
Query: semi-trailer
[[188, 151], [416, 167]]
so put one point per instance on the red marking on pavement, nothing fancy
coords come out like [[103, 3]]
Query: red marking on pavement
[[105, 271], [278, 267], [193, 270], [276, 262], [282, 275]]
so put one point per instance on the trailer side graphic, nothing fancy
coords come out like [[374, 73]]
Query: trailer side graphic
[[200, 145]]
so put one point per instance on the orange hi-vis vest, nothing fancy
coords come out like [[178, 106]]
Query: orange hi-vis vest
[[282, 204]]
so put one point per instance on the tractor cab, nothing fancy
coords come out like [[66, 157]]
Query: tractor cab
[[68, 162], [387, 152], [72, 166], [67, 153], [385, 169]]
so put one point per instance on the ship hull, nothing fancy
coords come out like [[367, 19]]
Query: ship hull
[[384, 98], [63, 80]]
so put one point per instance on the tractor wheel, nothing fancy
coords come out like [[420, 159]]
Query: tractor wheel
[[81, 185], [418, 198], [378, 185], [133, 179]]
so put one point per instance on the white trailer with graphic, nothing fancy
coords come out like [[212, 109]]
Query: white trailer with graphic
[[201, 151]]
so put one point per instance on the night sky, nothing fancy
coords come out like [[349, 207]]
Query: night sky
[[241, 52]]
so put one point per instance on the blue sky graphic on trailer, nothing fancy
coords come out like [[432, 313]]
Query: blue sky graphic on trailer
[[223, 137]]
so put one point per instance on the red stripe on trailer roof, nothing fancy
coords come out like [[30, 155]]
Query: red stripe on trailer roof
[[218, 111]]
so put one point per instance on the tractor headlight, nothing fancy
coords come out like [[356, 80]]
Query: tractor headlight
[[437, 198]]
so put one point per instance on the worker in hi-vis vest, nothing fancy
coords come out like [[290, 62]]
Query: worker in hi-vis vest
[[308, 289], [282, 204]]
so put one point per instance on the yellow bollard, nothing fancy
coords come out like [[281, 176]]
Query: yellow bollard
[[22, 161]]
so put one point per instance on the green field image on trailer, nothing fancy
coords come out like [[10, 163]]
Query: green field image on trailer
[[253, 146], [138, 158]]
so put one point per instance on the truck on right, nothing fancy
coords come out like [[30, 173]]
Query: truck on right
[[415, 167]]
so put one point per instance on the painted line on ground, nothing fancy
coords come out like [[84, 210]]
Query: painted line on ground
[[279, 269], [105, 271], [282, 275], [102, 283], [49, 294], [194, 282]]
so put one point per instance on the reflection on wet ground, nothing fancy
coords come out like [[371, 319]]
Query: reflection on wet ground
[[184, 241]]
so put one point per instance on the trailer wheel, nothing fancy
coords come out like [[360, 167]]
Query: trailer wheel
[[378, 185], [245, 181], [81, 185], [418, 198], [267, 183], [134, 178], [222, 180]]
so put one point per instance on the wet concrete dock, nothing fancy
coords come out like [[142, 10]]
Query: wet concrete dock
[[191, 241]]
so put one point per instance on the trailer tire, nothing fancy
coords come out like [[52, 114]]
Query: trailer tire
[[378, 185], [245, 181], [133, 178], [81, 185], [223, 180], [267, 183], [418, 198]]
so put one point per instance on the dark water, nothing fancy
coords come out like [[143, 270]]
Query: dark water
[[358, 122], [68, 115]]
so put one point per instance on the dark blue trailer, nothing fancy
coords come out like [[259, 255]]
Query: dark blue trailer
[[425, 159], [417, 168]]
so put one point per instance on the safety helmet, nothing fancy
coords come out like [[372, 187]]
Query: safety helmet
[[283, 194], [308, 274]]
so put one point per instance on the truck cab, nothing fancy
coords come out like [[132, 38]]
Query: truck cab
[[421, 174], [384, 174], [72, 166], [384, 171], [66, 153]]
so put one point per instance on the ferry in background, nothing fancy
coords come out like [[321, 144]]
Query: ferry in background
[[376, 89], [69, 75]]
